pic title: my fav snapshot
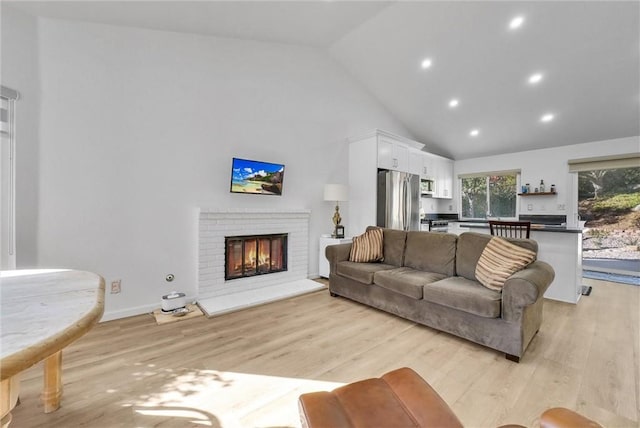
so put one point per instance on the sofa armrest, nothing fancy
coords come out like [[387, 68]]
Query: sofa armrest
[[337, 253], [524, 288]]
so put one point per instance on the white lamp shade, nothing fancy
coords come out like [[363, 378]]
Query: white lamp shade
[[335, 192]]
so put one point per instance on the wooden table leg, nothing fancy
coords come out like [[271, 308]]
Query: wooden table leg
[[52, 391], [9, 391]]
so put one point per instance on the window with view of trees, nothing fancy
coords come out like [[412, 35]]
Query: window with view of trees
[[489, 196], [609, 203]]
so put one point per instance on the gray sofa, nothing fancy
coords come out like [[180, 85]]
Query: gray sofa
[[429, 278]]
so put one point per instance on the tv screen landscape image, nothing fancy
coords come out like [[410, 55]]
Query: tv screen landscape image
[[255, 177]]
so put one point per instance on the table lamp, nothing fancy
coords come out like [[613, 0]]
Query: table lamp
[[337, 193]]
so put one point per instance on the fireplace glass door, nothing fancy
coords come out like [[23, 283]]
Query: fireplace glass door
[[247, 256]]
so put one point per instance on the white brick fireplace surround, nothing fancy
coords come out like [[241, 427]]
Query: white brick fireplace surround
[[215, 295]]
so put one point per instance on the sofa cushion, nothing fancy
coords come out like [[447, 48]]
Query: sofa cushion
[[361, 272], [499, 260], [405, 280], [464, 294], [367, 247], [470, 246], [394, 241], [431, 252]]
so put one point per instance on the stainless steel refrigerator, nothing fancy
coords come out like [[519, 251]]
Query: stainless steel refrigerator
[[398, 200]]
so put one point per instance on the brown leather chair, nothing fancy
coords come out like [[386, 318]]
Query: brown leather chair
[[400, 398], [510, 229], [559, 417]]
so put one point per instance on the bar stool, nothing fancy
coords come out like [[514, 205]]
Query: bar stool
[[510, 229]]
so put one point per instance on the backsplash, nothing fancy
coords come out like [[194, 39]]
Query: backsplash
[[441, 216], [535, 219], [544, 219]]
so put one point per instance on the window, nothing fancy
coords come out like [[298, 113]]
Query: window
[[489, 195], [8, 99]]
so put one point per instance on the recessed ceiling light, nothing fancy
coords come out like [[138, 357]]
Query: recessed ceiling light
[[474, 132], [535, 78], [516, 22], [454, 103], [426, 63], [547, 118]]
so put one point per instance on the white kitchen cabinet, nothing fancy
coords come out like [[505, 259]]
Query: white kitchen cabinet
[[427, 171], [392, 154], [385, 153], [421, 163], [416, 162], [443, 170], [323, 263]]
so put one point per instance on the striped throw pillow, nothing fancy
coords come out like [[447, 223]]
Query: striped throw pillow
[[367, 247], [499, 260]]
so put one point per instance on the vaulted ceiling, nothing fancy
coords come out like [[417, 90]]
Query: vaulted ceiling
[[586, 56]]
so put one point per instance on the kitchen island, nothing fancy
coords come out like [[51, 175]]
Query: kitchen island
[[560, 246]]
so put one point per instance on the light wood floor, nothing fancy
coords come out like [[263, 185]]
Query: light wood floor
[[246, 369]]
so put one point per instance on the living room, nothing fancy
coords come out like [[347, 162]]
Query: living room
[[125, 132]]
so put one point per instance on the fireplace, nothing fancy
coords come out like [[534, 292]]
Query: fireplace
[[252, 255], [216, 294]]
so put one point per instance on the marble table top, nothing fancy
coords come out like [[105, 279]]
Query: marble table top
[[42, 311]]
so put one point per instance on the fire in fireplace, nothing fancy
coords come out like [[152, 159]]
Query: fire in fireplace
[[255, 255]]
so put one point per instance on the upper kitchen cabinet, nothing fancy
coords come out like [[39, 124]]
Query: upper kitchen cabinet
[[415, 162], [421, 163], [392, 154], [443, 170], [389, 151]]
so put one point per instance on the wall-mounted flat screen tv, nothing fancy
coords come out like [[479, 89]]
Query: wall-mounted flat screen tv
[[255, 177]]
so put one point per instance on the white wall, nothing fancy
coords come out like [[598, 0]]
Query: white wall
[[19, 48], [138, 129], [123, 133], [547, 164]]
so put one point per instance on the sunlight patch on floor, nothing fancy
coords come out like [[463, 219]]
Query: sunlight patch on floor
[[229, 399], [186, 415]]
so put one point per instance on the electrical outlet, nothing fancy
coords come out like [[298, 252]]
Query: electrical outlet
[[116, 286], [450, 207], [529, 207]]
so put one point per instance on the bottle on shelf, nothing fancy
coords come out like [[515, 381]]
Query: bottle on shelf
[[528, 188], [553, 188], [541, 186]]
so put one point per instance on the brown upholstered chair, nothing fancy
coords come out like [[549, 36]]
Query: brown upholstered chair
[[400, 398], [559, 417], [510, 229]]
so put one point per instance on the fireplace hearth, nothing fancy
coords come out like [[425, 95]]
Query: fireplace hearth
[[251, 255]]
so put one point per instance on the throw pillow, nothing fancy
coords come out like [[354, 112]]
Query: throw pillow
[[367, 247], [499, 260]]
